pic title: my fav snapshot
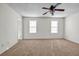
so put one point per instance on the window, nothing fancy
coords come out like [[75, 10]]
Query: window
[[54, 26], [32, 26]]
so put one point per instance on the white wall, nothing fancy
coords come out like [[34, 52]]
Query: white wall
[[19, 27], [8, 27], [72, 28], [43, 28]]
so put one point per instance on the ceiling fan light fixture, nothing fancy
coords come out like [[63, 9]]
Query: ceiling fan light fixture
[[52, 9]]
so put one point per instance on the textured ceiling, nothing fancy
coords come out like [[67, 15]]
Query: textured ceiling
[[35, 9]]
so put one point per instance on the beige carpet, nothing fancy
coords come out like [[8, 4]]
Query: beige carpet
[[43, 47]]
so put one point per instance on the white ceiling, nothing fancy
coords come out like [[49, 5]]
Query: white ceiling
[[35, 9]]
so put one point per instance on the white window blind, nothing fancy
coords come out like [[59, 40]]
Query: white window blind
[[54, 26], [32, 26]]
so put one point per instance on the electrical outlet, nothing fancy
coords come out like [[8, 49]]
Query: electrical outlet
[[7, 48]]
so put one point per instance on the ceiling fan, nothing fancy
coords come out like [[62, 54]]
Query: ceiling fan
[[52, 9]]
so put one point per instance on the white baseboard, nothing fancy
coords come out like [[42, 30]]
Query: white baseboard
[[44, 38], [72, 40], [11, 45]]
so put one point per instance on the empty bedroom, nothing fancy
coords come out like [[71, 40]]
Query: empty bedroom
[[39, 29]]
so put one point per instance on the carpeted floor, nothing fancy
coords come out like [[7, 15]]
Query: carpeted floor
[[43, 47]]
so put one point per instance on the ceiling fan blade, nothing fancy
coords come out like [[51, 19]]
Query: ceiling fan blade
[[45, 13], [44, 8], [59, 9], [57, 5]]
